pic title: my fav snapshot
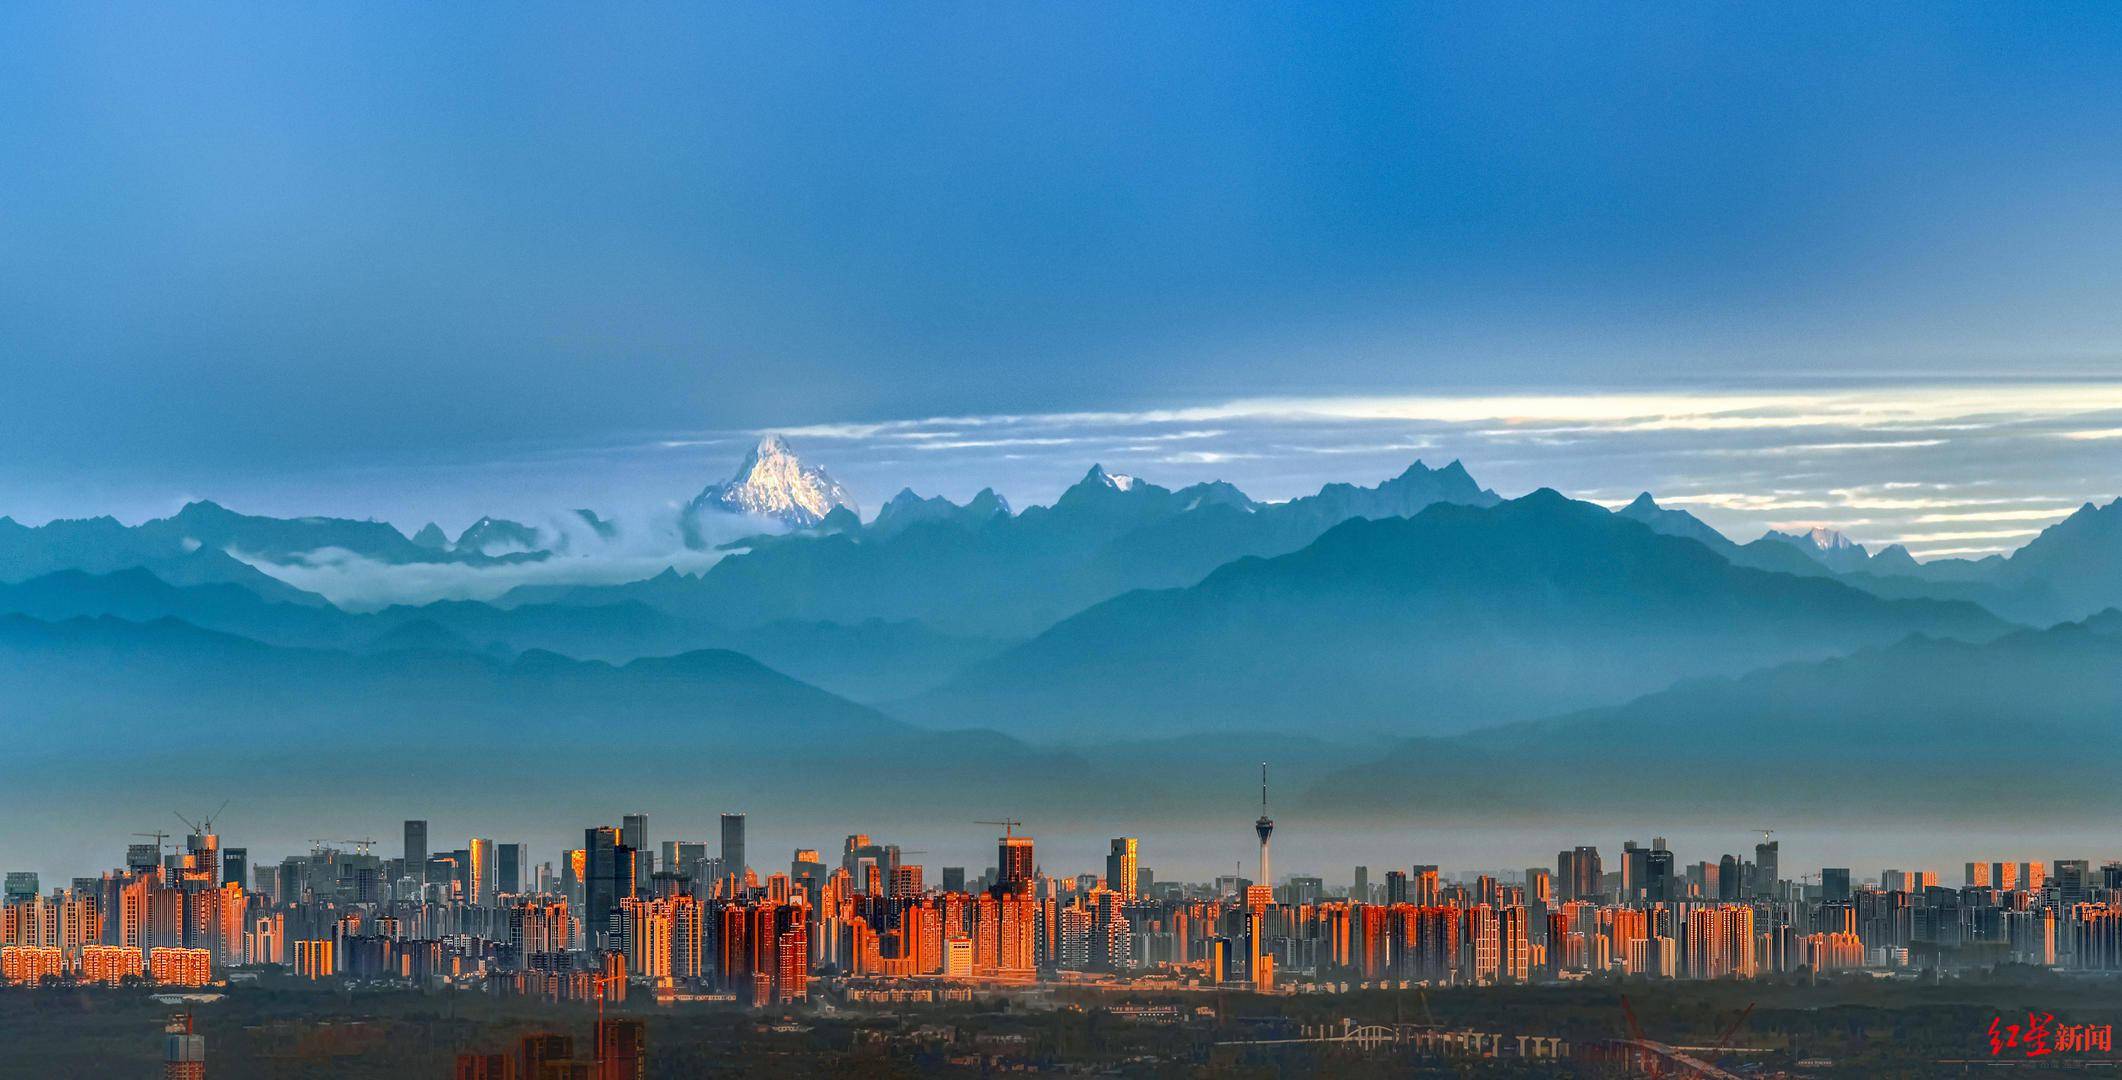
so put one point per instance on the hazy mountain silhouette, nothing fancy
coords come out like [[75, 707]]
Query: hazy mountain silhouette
[[1455, 618], [91, 703], [1925, 726], [873, 660], [990, 574]]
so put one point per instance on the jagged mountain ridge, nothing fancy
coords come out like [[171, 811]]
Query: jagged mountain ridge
[[995, 574], [1454, 618]]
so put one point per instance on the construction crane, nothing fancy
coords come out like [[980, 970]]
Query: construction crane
[[204, 825], [1628, 1013], [159, 838], [1009, 825], [1725, 1042], [1765, 834], [361, 844]]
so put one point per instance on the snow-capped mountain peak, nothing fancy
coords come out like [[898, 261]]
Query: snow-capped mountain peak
[[1113, 480], [774, 483], [1829, 540]]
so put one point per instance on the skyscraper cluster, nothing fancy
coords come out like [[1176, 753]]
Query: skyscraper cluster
[[674, 916]]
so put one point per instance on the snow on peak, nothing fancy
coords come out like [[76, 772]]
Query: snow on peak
[[774, 483], [1113, 480], [1827, 539]]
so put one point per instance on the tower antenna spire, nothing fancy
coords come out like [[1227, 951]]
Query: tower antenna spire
[[1265, 827]]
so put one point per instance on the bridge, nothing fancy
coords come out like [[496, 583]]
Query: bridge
[[1652, 1058], [1427, 1040]]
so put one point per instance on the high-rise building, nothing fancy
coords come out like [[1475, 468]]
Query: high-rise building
[[235, 866], [1539, 885], [416, 849], [1766, 869], [1359, 887], [2073, 881], [1014, 863], [607, 878], [1635, 870], [733, 863], [633, 832], [1658, 878], [1579, 875], [953, 879], [1834, 884], [480, 869], [1120, 865], [508, 869]]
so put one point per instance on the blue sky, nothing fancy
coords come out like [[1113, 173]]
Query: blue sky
[[409, 260]]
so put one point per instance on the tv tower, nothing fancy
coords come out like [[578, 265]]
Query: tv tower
[[1265, 827]]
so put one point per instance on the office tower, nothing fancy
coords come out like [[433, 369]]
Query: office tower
[[1582, 871], [733, 863], [2073, 881], [1658, 878], [1359, 889], [607, 878], [633, 832], [235, 866], [1266, 828], [1893, 881], [416, 849], [574, 868], [481, 860], [954, 879], [1395, 887], [1422, 885], [1635, 868], [1834, 884], [1978, 875], [1120, 865], [1728, 882], [508, 869], [1766, 870]]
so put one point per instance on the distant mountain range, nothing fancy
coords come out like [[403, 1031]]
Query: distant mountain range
[[1937, 728], [980, 570], [1454, 618], [93, 699], [1126, 617]]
